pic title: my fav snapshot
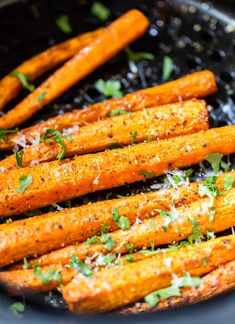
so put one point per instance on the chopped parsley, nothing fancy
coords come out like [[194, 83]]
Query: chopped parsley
[[169, 218], [129, 258], [138, 56], [19, 156], [114, 146], [116, 112], [41, 97], [17, 309], [196, 232], [5, 132], [57, 137], [228, 182], [63, 24], [122, 221], [80, 266], [100, 11], [109, 88], [24, 182], [104, 228], [47, 277], [205, 260], [24, 79], [210, 189], [133, 137], [92, 240], [167, 68], [174, 290], [215, 160], [105, 259], [108, 241], [130, 247], [147, 174]]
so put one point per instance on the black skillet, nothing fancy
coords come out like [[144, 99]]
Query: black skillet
[[196, 35]]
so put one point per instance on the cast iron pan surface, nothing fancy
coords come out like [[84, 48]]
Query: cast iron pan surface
[[195, 35]]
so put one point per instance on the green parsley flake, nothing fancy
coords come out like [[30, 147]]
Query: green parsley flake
[[138, 56], [19, 156], [24, 79], [122, 222], [108, 241], [17, 309], [63, 24], [116, 112], [5, 132], [104, 228], [130, 247], [100, 11], [80, 266], [205, 261], [56, 136], [167, 69], [105, 259], [174, 290], [41, 97], [228, 182], [47, 277], [92, 240], [133, 137], [109, 88], [24, 182], [196, 232], [129, 258], [147, 174], [169, 218], [215, 160]]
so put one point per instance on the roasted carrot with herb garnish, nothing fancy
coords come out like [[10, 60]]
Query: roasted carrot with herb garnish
[[80, 223], [113, 38], [37, 279], [196, 85], [116, 287], [150, 124], [31, 69], [77, 224], [168, 227], [218, 281], [56, 181]]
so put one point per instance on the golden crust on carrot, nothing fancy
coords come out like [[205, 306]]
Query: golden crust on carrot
[[60, 180], [155, 123], [116, 287], [116, 36], [195, 85]]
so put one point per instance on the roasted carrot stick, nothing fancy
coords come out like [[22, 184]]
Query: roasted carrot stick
[[153, 123], [33, 187], [116, 287], [219, 281], [10, 86], [113, 38], [196, 85], [28, 282], [55, 230], [158, 230]]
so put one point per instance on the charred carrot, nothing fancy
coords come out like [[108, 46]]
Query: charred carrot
[[113, 38], [44, 233], [219, 281], [33, 187], [153, 123], [10, 86], [116, 287], [196, 85], [172, 227]]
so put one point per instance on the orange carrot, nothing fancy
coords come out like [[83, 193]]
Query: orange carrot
[[34, 187], [116, 287], [156, 231], [150, 124], [196, 85], [219, 281], [10, 86], [113, 38]]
